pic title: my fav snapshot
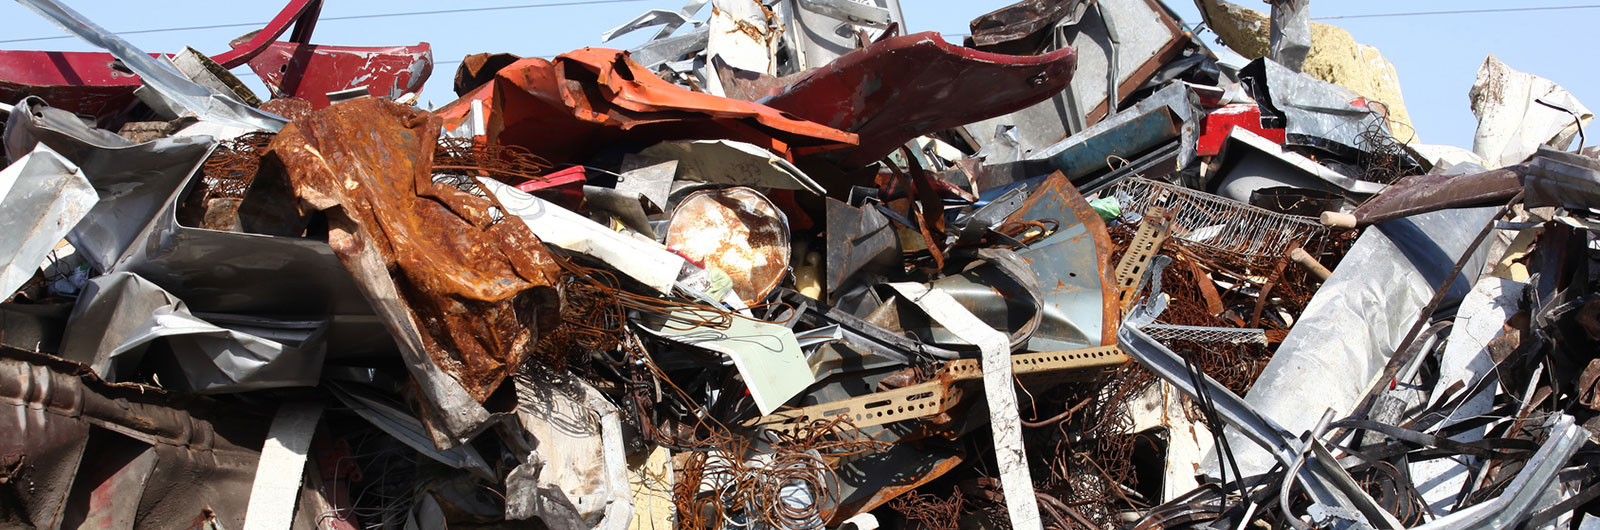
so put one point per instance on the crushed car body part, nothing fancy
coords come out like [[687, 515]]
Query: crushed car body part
[[562, 109], [464, 289], [904, 87], [1022, 507], [311, 71], [165, 460]]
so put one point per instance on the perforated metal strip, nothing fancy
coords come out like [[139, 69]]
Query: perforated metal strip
[[1146, 243], [931, 398]]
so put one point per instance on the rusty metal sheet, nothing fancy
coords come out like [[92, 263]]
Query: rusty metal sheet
[[311, 71], [479, 68], [204, 458], [464, 288], [567, 108], [737, 231], [1427, 193], [1020, 20], [900, 88]]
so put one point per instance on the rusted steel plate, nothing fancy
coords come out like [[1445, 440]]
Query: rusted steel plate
[[476, 283], [738, 231], [1073, 266], [900, 88]]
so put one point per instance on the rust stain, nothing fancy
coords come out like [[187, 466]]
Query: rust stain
[[477, 285], [738, 231]]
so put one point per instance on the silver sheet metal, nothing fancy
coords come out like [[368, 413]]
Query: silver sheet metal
[[1352, 326], [133, 180], [42, 196]]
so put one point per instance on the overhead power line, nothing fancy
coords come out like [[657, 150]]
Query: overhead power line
[[1459, 12], [349, 17]]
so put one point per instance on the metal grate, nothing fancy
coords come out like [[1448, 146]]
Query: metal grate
[[1165, 333], [1204, 221]]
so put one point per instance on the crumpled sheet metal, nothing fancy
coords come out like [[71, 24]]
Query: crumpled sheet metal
[[563, 109], [126, 455], [1317, 113], [1559, 178], [900, 88], [1019, 21], [1168, 113], [1518, 112], [463, 292], [42, 196], [733, 164], [1352, 326], [133, 180], [1070, 269], [119, 315], [311, 71], [1456, 187], [575, 475]]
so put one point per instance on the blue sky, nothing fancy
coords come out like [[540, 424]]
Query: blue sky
[[1437, 56]]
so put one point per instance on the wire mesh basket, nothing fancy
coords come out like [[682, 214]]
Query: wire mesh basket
[[1207, 222], [1167, 333]]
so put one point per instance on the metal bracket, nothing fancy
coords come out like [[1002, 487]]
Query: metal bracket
[[1146, 244]]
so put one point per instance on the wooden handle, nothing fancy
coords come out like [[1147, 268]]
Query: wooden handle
[[1305, 259], [1338, 220]]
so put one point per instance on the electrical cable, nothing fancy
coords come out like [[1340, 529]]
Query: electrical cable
[[1458, 12]]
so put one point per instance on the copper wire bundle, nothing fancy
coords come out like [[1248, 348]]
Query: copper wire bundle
[[930, 511], [227, 173], [509, 164], [789, 484]]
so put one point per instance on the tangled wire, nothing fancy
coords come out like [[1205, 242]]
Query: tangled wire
[[1382, 158], [791, 484]]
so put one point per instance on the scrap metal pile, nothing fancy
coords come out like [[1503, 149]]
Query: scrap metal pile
[[793, 266]]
